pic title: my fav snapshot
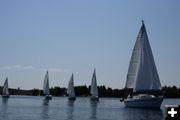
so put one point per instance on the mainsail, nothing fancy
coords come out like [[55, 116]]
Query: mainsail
[[5, 88], [142, 73], [46, 84], [71, 87], [94, 90]]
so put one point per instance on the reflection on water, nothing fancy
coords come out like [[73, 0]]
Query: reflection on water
[[93, 105], [5, 100], [35, 108], [4, 108], [45, 109], [143, 114], [70, 109], [45, 102]]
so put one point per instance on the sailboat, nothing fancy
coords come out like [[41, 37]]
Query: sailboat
[[5, 93], [142, 75], [94, 89], [70, 90], [46, 87]]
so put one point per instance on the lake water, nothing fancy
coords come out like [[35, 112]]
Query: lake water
[[59, 108]]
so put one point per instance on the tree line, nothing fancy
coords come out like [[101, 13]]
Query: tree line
[[84, 91]]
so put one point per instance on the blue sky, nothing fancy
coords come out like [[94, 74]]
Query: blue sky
[[78, 36]]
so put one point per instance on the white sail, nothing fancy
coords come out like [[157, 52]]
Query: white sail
[[5, 88], [46, 84], [142, 73], [71, 87], [133, 65], [94, 90]]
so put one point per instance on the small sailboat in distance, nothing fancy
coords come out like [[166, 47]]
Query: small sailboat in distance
[[70, 90], [46, 87], [142, 75], [5, 92], [94, 89]]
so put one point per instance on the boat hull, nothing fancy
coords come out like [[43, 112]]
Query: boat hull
[[5, 96], [144, 103], [48, 97], [72, 98], [94, 98]]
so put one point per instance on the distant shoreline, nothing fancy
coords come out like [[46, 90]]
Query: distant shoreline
[[83, 91]]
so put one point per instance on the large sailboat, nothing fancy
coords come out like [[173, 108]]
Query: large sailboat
[[94, 89], [142, 75], [5, 92], [46, 87], [70, 90]]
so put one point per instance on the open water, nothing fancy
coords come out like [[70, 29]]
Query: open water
[[59, 108]]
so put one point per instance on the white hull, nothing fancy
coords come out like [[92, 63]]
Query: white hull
[[144, 103]]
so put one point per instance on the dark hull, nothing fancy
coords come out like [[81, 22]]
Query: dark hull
[[48, 97], [94, 98], [72, 98], [5, 96]]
